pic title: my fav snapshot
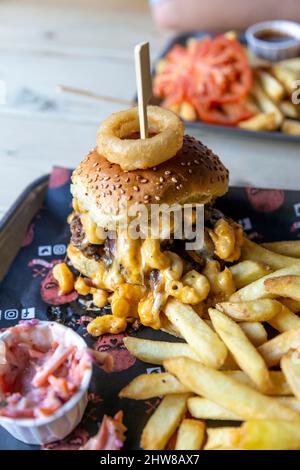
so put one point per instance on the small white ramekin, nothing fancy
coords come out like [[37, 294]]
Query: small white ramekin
[[60, 424], [274, 51]]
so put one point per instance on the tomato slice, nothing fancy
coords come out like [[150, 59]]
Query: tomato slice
[[221, 72], [228, 114], [173, 83], [211, 74]]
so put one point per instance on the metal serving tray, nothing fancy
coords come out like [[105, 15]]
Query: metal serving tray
[[14, 225], [182, 39]]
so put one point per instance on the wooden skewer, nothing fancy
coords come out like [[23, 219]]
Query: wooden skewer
[[90, 94], [144, 84]]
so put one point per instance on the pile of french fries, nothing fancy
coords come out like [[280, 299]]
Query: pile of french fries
[[271, 97], [237, 362]]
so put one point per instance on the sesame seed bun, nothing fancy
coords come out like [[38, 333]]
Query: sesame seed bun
[[194, 175]]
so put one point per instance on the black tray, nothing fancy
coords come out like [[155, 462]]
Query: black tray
[[265, 214], [182, 39]]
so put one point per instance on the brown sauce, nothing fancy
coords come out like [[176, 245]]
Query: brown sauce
[[272, 35]]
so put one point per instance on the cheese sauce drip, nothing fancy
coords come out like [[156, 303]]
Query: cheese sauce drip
[[141, 276]]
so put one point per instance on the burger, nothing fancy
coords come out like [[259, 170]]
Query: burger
[[132, 278]]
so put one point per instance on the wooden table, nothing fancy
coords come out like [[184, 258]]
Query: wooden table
[[89, 44]]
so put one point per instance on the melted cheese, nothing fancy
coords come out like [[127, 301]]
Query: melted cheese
[[128, 256], [91, 230], [129, 267], [126, 265], [77, 206]]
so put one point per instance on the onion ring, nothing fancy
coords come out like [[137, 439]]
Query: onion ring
[[132, 154]]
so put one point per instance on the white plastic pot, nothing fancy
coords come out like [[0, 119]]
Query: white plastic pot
[[65, 419]]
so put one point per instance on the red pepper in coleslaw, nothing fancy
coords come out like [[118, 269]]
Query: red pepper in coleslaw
[[38, 376], [110, 435]]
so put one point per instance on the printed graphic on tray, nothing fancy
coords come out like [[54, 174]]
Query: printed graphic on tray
[[114, 344], [265, 200]]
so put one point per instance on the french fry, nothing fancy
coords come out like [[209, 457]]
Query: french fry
[[287, 248], [230, 363], [293, 64], [222, 438], [227, 448], [146, 386], [273, 350], [286, 76], [257, 289], [291, 402], [291, 126], [232, 34], [190, 435], [271, 86], [270, 435], [251, 104], [290, 366], [291, 304], [168, 327], [248, 271], [244, 353], [261, 122], [202, 408], [227, 392], [285, 286], [289, 110], [255, 252], [285, 320], [255, 332], [265, 103], [202, 339], [279, 386], [164, 422], [187, 112], [255, 61], [155, 352], [253, 310]]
